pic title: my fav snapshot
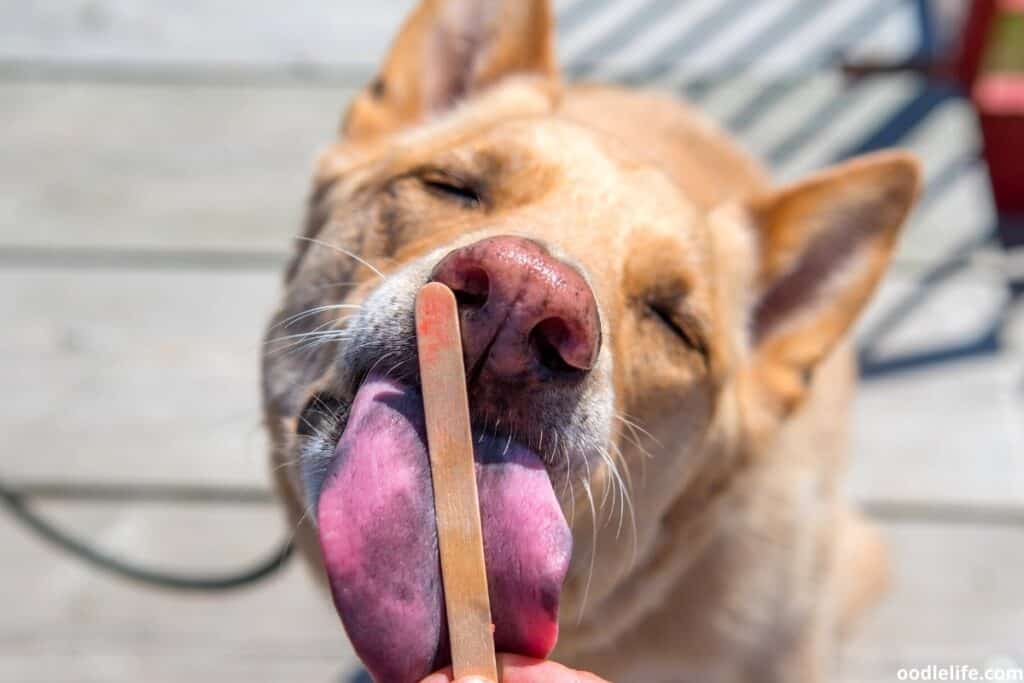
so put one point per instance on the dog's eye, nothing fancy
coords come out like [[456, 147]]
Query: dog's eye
[[668, 318], [448, 186]]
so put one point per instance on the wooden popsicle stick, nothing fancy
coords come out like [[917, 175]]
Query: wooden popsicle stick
[[456, 502]]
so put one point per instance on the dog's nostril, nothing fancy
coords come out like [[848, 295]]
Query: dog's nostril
[[474, 287], [549, 338]]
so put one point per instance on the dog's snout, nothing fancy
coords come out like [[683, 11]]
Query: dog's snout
[[525, 314]]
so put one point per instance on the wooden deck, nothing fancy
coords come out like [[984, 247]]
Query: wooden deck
[[150, 188]]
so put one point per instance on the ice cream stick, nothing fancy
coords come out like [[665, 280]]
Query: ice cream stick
[[456, 503]]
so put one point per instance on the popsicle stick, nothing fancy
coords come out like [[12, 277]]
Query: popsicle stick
[[456, 503]]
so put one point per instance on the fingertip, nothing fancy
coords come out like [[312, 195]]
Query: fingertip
[[439, 677]]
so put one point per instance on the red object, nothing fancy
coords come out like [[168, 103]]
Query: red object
[[1000, 93], [1000, 103], [999, 100], [974, 40]]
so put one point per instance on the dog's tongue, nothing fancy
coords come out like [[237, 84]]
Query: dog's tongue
[[379, 540]]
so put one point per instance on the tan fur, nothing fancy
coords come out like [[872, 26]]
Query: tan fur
[[741, 560]]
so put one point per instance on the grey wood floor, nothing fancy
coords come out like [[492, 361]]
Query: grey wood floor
[[151, 179]]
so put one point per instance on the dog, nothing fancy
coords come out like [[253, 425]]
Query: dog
[[657, 365]]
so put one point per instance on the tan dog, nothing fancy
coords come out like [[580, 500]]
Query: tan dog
[[657, 373]]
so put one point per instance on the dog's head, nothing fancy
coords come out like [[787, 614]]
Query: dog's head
[[638, 314]]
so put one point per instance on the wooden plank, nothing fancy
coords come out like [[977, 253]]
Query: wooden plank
[[949, 430], [456, 503], [308, 38], [958, 215], [774, 126], [63, 621], [297, 34], [867, 107], [133, 376], [955, 601], [180, 167], [176, 166], [960, 206]]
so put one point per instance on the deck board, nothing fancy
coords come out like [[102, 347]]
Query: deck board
[[955, 601], [66, 622], [225, 169], [308, 39], [134, 375], [293, 34], [168, 166]]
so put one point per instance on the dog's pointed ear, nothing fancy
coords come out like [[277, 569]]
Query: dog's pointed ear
[[822, 245], [448, 49]]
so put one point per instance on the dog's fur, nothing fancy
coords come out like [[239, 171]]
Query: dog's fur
[[712, 541]]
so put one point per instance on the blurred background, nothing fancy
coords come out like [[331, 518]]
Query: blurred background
[[154, 159]]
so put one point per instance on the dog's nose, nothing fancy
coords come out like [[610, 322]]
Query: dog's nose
[[525, 314]]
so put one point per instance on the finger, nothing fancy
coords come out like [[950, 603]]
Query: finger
[[445, 677], [519, 669]]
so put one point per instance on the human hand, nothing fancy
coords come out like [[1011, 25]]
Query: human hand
[[519, 669]]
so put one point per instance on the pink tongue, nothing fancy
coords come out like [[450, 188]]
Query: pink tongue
[[379, 540]]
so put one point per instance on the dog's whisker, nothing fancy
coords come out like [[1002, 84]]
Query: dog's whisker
[[329, 412], [635, 427], [346, 252], [611, 487], [302, 315], [306, 514], [289, 462], [383, 357], [305, 345], [568, 476], [318, 330], [607, 490], [620, 461], [312, 339], [390, 372], [625, 495], [315, 332], [511, 432], [627, 476], [593, 552], [335, 285], [632, 441], [322, 410], [626, 417]]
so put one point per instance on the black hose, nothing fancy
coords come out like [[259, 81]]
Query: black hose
[[16, 503]]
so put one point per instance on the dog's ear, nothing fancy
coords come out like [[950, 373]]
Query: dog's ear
[[822, 246], [448, 49]]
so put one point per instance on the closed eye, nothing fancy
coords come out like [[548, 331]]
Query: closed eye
[[447, 186], [669, 320]]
